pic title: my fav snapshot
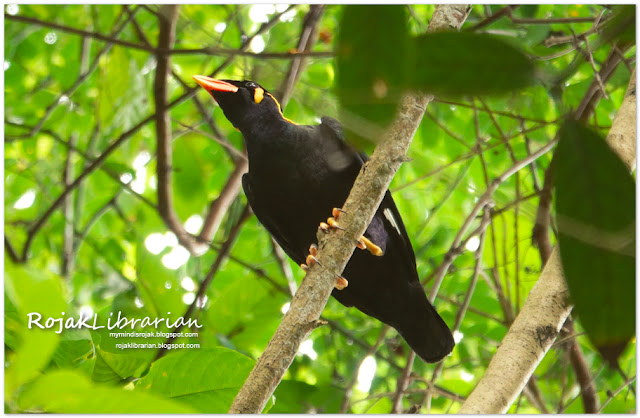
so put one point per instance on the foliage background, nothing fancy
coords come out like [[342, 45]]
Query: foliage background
[[106, 248]]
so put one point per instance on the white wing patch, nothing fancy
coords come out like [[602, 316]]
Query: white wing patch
[[389, 215]]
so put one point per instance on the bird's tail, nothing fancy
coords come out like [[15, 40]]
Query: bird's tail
[[423, 329]]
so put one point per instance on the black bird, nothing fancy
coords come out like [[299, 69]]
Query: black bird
[[297, 175]]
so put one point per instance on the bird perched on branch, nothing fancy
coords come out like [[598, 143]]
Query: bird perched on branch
[[297, 176]]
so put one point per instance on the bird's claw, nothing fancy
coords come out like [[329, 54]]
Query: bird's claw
[[332, 222], [311, 258], [341, 283], [336, 212]]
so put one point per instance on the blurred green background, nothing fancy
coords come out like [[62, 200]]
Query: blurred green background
[[105, 248]]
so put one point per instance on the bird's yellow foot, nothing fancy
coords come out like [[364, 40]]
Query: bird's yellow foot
[[341, 283], [365, 244], [332, 222], [311, 259]]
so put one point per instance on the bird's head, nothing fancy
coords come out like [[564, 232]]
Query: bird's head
[[244, 103]]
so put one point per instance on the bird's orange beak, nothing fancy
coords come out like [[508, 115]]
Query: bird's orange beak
[[210, 84]]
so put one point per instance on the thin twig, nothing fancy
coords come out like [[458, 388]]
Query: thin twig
[[508, 206], [505, 11], [557, 40], [221, 204], [308, 36], [88, 161], [403, 384], [581, 369], [440, 391], [164, 51], [111, 38], [80, 192], [534, 166], [589, 56], [475, 310], [446, 130], [82, 234], [497, 112], [495, 276], [458, 244], [13, 255], [281, 258], [547, 21], [260, 55], [616, 392], [595, 91], [81, 78], [346, 398], [486, 220], [68, 214]]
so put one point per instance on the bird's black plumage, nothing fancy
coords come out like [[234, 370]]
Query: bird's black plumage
[[297, 174]]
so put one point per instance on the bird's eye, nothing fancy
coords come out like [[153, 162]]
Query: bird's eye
[[251, 84]]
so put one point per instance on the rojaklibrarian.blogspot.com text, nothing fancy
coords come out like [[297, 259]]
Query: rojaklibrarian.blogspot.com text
[[164, 346]]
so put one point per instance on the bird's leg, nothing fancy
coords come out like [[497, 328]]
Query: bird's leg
[[363, 243], [311, 259]]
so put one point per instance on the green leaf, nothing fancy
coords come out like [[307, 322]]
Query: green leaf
[[459, 63], [381, 406], [113, 83], [74, 348], [32, 291], [151, 283], [65, 391], [595, 204], [206, 379], [300, 398], [114, 367], [373, 53]]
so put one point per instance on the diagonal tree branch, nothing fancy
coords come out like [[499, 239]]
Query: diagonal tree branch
[[167, 18], [308, 37], [221, 204], [336, 247]]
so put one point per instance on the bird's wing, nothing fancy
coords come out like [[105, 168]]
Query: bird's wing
[[395, 225], [263, 216], [387, 225], [334, 128]]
